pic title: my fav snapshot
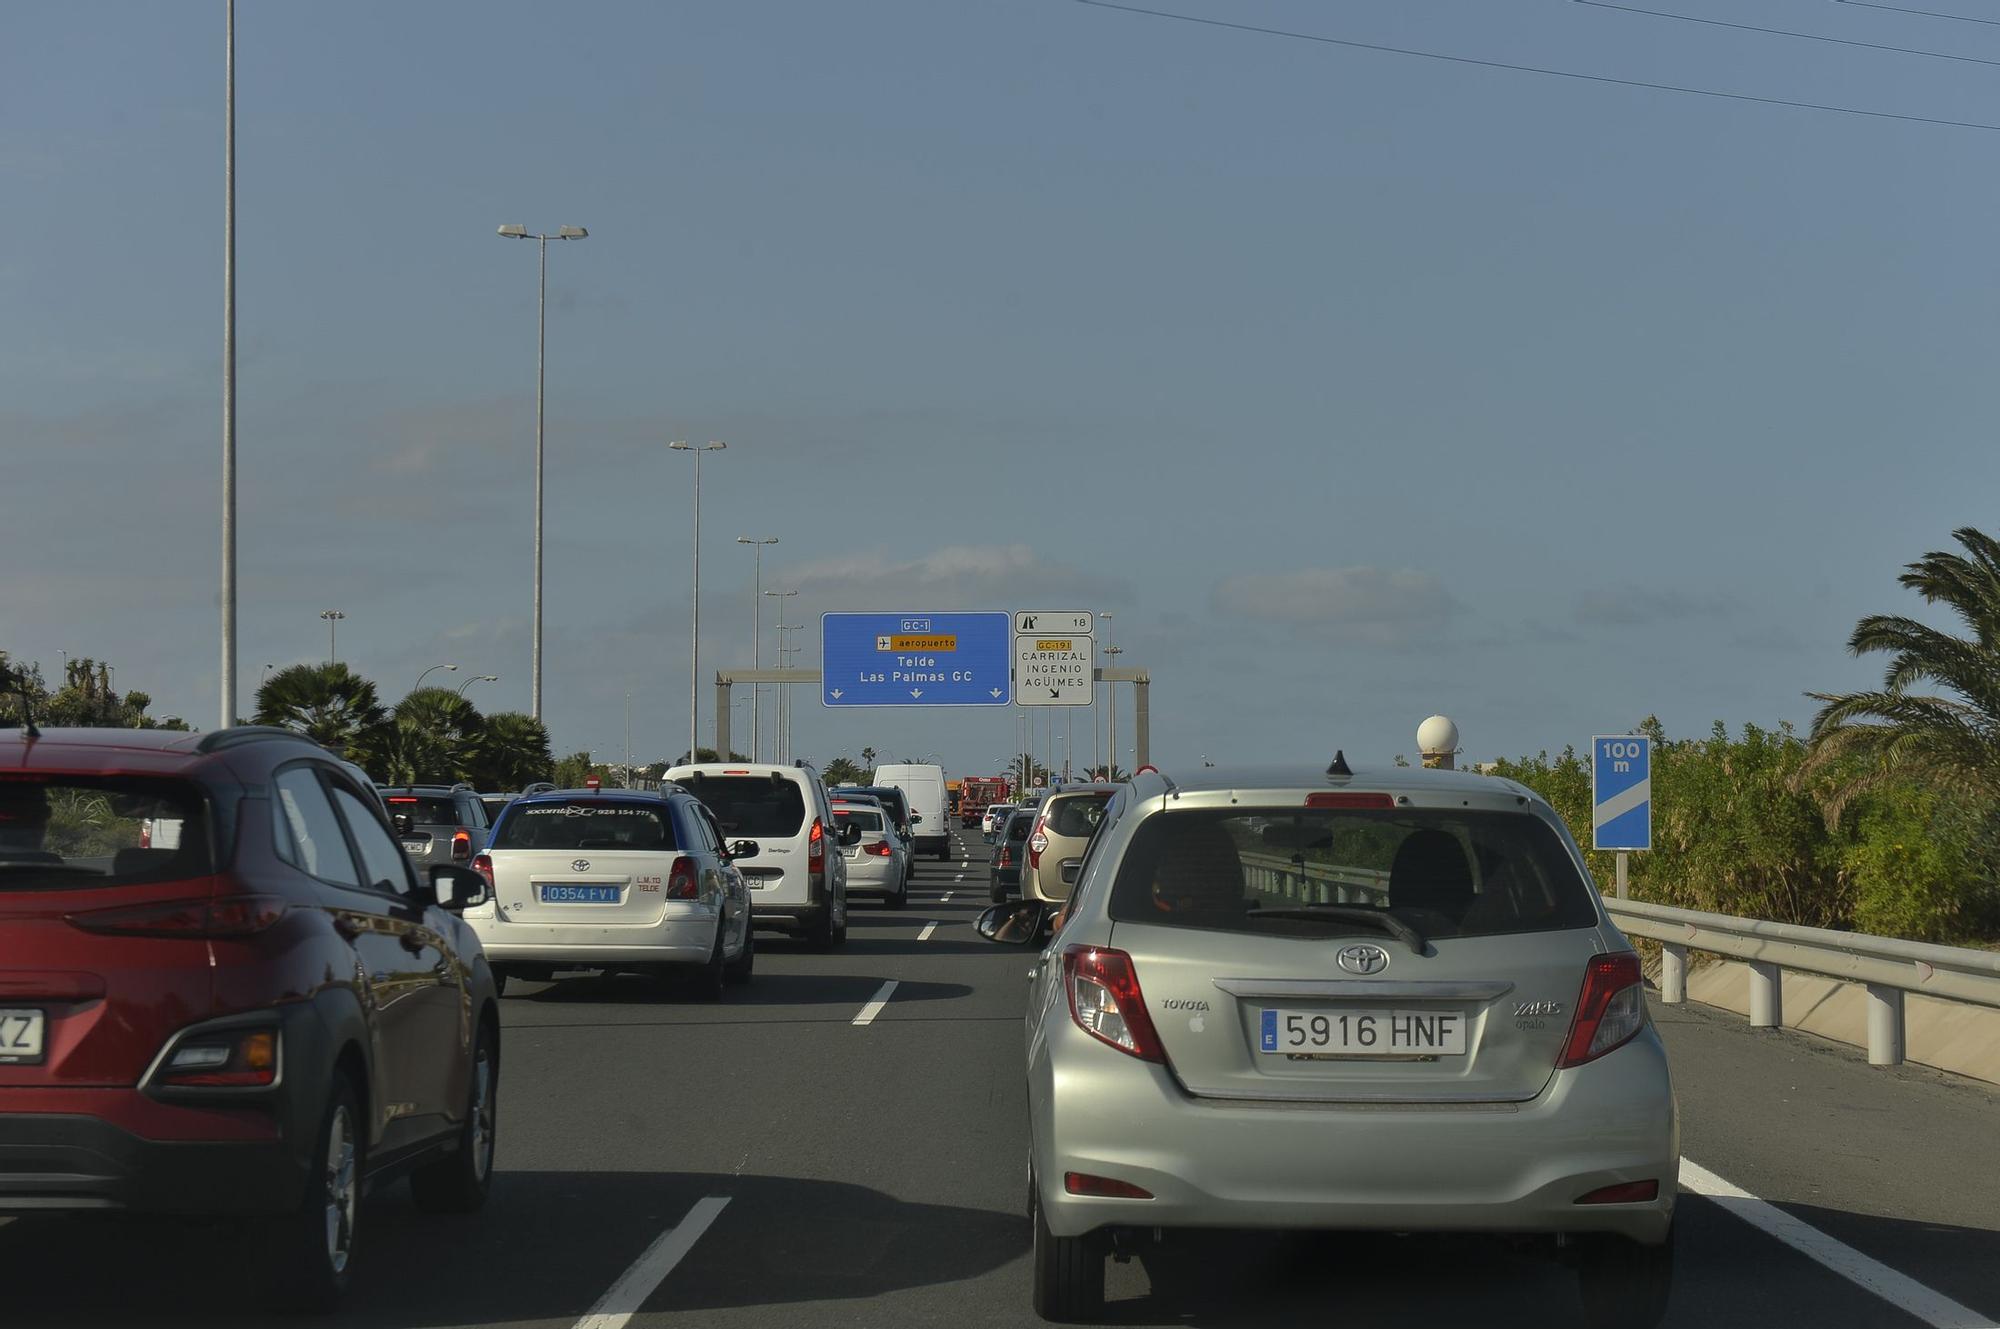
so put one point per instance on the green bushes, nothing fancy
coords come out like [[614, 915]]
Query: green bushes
[[1738, 830]]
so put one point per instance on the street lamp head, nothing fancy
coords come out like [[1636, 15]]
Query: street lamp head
[[571, 233], [679, 445], [451, 669], [487, 678], [714, 446], [514, 232]]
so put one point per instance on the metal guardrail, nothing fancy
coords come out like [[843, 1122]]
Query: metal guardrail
[[1313, 883], [1887, 967]]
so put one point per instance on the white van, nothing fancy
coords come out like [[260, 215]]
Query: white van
[[798, 880], [923, 786]]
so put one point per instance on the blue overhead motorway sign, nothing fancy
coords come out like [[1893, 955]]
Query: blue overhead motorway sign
[[915, 659], [1621, 798]]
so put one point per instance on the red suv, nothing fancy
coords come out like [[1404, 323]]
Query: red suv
[[227, 992]]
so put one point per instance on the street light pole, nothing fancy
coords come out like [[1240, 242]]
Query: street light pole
[[541, 343], [1096, 753], [694, 635], [1112, 693], [332, 617], [778, 750], [756, 640], [432, 670], [229, 367]]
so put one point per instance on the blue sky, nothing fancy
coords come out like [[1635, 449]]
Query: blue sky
[[1356, 386]]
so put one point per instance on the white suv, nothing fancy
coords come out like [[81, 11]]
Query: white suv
[[798, 883]]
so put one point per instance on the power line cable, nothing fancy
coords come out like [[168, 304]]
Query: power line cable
[[1784, 32], [1926, 13], [1540, 69]]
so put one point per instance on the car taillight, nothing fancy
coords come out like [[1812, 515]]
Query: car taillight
[[235, 1059], [222, 916], [816, 847], [483, 865], [1037, 842], [1105, 1001], [880, 849], [682, 881], [461, 846], [1006, 857], [1610, 1009]]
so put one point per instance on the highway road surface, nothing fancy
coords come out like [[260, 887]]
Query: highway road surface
[[843, 1142]]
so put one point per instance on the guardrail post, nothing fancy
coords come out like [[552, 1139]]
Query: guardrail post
[[1767, 995], [1885, 1026], [1673, 973]]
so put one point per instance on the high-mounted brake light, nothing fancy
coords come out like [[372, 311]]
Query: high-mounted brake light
[[1336, 799], [682, 881], [1105, 1001], [816, 847], [483, 865], [400, 798], [461, 845], [223, 916], [1610, 1009]]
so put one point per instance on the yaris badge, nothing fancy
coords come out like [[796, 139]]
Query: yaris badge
[[1363, 959]]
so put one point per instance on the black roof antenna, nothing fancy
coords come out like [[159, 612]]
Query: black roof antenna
[[1339, 765]]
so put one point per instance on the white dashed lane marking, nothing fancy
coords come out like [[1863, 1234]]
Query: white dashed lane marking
[[876, 1003], [615, 1309], [925, 935]]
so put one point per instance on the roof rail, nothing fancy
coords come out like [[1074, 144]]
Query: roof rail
[[237, 735], [538, 787], [463, 785]]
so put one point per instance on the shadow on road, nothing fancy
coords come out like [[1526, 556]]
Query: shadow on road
[[544, 1249], [767, 988]]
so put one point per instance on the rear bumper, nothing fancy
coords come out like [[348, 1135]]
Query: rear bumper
[[873, 876], [787, 918], [673, 941], [66, 1162], [931, 844], [1515, 1167]]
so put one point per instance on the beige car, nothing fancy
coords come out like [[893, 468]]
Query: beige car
[[1063, 827]]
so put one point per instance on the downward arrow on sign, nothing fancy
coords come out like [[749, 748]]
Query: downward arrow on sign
[[916, 692], [835, 694], [995, 692]]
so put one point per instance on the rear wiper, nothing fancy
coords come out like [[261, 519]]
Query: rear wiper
[[1348, 913]]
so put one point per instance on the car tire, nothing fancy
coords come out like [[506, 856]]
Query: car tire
[[944, 852], [995, 894], [311, 1249], [706, 983], [458, 1183], [900, 898], [1623, 1284], [740, 969], [840, 928], [1069, 1271], [500, 977]]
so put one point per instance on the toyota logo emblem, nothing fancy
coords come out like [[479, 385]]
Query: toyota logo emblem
[[1362, 959], [579, 865]]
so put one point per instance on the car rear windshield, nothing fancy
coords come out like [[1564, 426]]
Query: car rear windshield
[[1307, 871], [750, 805], [61, 831], [1019, 824], [1077, 815], [866, 818], [423, 809], [585, 823]]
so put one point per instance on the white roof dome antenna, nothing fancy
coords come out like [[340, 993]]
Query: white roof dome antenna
[[1437, 742]]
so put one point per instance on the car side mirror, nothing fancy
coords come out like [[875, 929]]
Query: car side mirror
[[1018, 924], [916, 817], [457, 889], [743, 849], [850, 833]]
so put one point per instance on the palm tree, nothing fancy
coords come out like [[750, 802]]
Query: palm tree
[[1949, 738], [406, 754], [841, 770], [328, 703], [451, 721], [514, 753]]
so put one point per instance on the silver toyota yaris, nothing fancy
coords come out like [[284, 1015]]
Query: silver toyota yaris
[[1297, 999]]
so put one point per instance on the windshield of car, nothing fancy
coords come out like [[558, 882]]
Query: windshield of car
[[585, 823], [753, 805], [1077, 815], [58, 832], [1446, 873], [423, 809], [866, 818]]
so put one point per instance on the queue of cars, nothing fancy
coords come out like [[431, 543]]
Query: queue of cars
[[1294, 999]]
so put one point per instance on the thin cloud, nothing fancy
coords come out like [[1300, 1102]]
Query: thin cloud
[[1378, 606], [1635, 606], [974, 576]]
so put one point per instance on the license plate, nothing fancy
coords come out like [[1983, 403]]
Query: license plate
[[20, 1037], [580, 893], [1363, 1033], [416, 846]]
